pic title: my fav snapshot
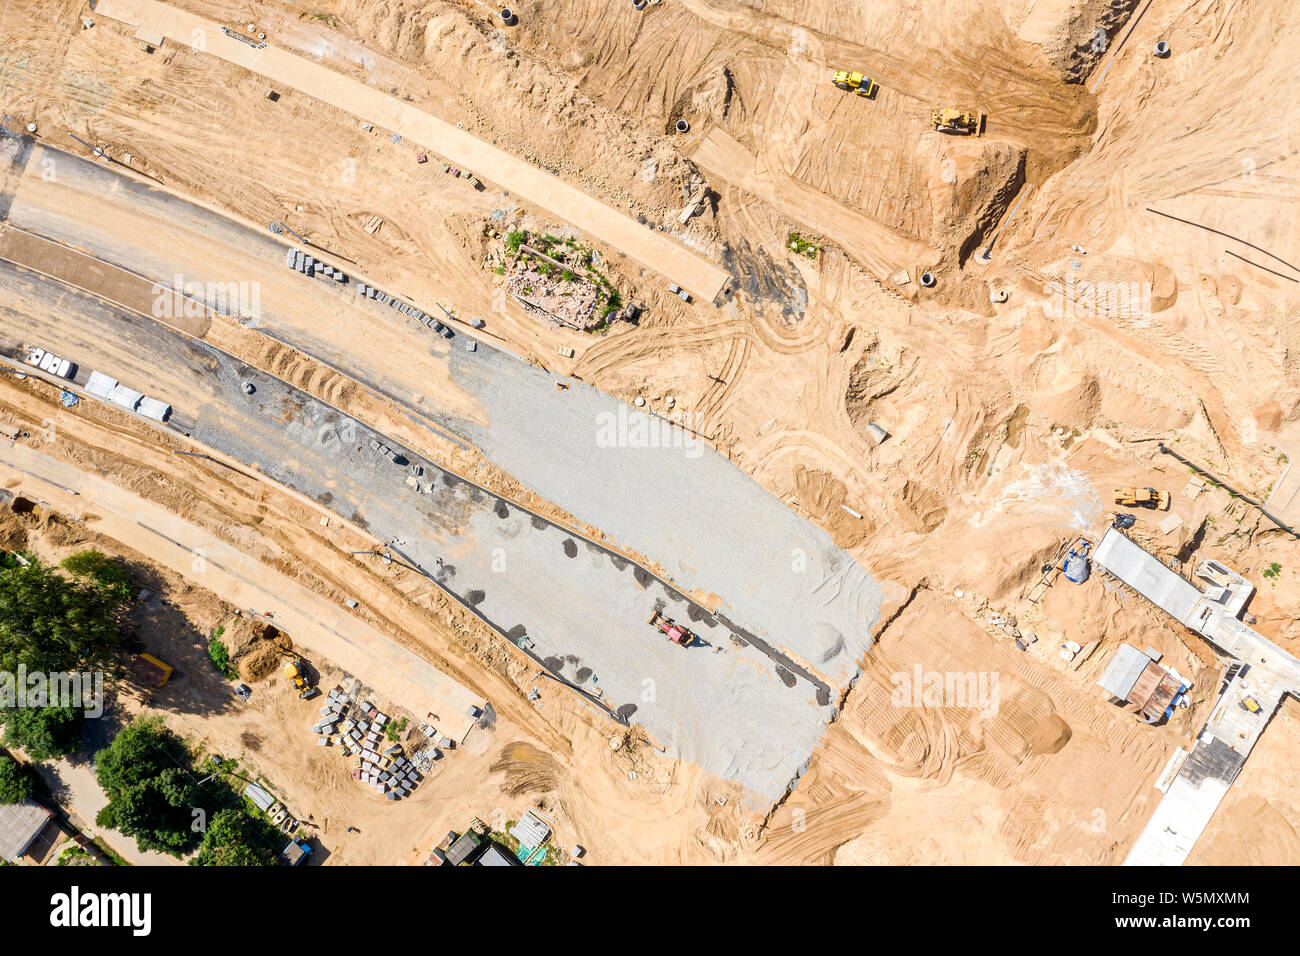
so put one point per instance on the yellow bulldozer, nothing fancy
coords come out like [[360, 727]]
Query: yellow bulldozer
[[858, 82], [1142, 498], [960, 122]]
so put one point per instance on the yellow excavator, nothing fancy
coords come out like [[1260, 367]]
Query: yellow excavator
[[961, 122], [860, 83], [1142, 498]]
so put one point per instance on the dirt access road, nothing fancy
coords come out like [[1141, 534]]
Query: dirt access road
[[320, 627], [653, 250]]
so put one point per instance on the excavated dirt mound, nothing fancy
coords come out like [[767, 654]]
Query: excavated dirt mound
[[526, 769], [260, 661]]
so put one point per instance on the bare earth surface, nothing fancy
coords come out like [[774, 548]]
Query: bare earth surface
[[1143, 287]]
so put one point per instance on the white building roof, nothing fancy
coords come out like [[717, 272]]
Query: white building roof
[[1125, 667], [531, 831], [1145, 574], [20, 825]]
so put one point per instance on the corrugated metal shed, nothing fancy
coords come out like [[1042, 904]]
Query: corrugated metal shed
[[100, 385], [261, 799], [463, 848], [152, 408], [1125, 667], [127, 398], [494, 856], [530, 831]]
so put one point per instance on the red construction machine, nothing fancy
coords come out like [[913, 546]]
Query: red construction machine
[[679, 635]]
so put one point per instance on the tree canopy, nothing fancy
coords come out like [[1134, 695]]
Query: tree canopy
[[16, 783], [235, 838], [109, 577], [154, 795], [151, 792], [51, 623], [43, 732]]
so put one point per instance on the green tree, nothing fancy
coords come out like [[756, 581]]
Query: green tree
[[109, 577], [50, 623], [219, 654], [234, 838], [43, 732], [16, 783], [145, 773]]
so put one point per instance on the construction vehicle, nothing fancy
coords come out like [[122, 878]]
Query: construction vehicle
[[676, 633], [296, 853], [861, 84], [960, 122], [296, 671], [1142, 498], [151, 671], [1250, 705]]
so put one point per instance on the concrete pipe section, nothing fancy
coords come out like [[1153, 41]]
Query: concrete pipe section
[[998, 295], [1162, 49], [927, 279], [639, 4], [508, 17], [682, 126]]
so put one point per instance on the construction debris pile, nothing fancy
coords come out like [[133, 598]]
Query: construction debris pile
[[558, 292], [361, 736]]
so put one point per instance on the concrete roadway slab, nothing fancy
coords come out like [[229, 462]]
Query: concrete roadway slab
[[735, 713]]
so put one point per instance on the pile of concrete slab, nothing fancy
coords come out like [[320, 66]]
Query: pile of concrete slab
[[377, 446], [424, 318], [361, 736], [299, 261]]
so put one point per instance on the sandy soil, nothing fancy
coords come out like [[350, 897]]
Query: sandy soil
[[1010, 421]]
